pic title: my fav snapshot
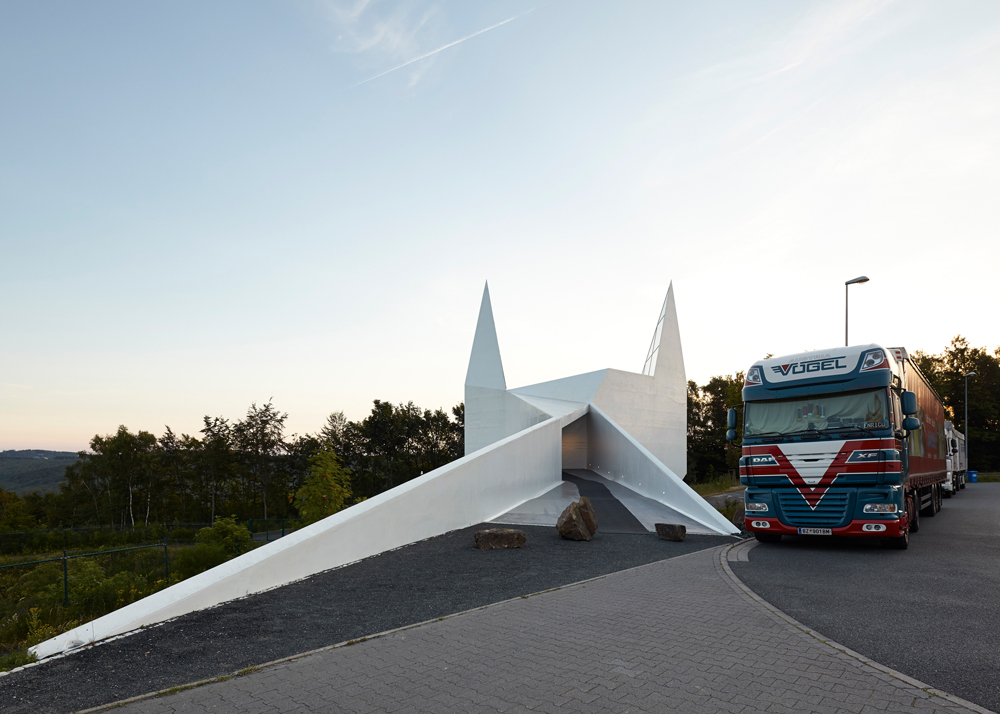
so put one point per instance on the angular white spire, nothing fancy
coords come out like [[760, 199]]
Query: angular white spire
[[669, 360], [665, 351], [485, 367]]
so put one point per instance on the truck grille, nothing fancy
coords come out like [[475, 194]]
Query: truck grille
[[830, 512]]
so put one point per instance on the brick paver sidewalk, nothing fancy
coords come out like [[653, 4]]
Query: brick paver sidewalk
[[674, 636]]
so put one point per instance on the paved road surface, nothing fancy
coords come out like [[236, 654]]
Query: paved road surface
[[673, 636], [932, 612]]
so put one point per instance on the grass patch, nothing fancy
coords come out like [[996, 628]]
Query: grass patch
[[247, 670], [16, 658], [988, 478], [717, 486]]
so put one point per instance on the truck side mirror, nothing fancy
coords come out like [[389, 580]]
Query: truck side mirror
[[731, 420], [731, 435], [908, 401], [954, 443], [911, 423]]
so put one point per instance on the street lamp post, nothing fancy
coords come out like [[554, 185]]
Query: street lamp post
[[862, 279], [967, 375]]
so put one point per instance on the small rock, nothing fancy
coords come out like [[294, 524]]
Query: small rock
[[500, 538], [588, 513], [571, 525], [740, 518], [669, 531]]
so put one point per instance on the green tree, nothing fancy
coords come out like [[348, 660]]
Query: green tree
[[14, 513], [327, 488], [945, 373], [260, 442]]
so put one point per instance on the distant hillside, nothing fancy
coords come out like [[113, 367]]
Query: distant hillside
[[33, 470]]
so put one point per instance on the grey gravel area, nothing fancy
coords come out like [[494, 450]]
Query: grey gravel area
[[419, 582], [931, 612]]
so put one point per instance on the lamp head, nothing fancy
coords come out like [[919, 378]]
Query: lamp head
[[862, 279], [969, 374]]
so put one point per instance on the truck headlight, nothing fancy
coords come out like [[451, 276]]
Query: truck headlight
[[756, 507], [880, 508]]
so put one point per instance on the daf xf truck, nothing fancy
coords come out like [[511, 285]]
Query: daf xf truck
[[842, 442]]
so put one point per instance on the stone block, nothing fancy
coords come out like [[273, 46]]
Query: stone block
[[669, 531], [500, 538]]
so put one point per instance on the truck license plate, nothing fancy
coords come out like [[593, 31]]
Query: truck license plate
[[815, 531]]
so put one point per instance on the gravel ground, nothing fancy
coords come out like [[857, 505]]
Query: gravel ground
[[436, 577], [932, 611]]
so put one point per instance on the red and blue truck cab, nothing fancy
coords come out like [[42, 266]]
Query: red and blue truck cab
[[842, 442]]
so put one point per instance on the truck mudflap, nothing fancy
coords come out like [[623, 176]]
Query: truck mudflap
[[878, 529]]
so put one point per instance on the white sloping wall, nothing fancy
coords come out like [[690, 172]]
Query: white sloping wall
[[473, 489], [617, 456]]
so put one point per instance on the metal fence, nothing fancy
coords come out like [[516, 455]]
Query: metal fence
[[105, 558], [262, 531], [93, 537]]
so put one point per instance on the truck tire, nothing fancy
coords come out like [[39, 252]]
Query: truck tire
[[767, 537], [898, 543], [912, 512], [963, 484]]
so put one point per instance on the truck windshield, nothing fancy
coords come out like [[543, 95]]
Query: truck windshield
[[851, 410]]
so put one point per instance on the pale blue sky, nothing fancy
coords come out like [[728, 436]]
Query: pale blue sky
[[200, 206]]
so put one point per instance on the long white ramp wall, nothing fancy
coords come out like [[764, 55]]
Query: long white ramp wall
[[470, 490]]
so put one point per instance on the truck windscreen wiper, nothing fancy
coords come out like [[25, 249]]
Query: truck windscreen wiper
[[776, 435], [863, 430]]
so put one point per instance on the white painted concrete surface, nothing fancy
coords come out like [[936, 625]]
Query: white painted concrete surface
[[542, 511], [471, 490], [616, 455]]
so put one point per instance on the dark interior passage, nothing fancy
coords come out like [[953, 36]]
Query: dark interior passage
[[612, 516]]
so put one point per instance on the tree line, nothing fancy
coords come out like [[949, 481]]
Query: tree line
[[945, 372], [250, 468]]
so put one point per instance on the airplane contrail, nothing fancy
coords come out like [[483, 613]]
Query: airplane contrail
[[443, 47]]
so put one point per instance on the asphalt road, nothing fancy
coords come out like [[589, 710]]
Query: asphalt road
[[418, 582], [932, 611]]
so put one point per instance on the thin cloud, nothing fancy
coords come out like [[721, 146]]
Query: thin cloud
[[442, 48]]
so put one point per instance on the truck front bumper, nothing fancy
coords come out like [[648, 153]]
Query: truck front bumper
[[892, 528]]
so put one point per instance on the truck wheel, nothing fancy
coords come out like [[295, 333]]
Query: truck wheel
[[912, 512], [962, 484], [899, 543], [767, 537], [940, 497]]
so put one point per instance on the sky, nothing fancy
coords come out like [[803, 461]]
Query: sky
[[207, 205]]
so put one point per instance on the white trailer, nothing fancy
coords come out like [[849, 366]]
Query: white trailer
[[955, 441]]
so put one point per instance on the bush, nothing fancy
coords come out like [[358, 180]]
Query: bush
[[180, 534], [235, 538], [198, 559]]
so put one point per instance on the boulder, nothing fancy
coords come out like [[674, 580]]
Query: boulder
[[571, 525], [669, 531], [588, 513], [500, 538]]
